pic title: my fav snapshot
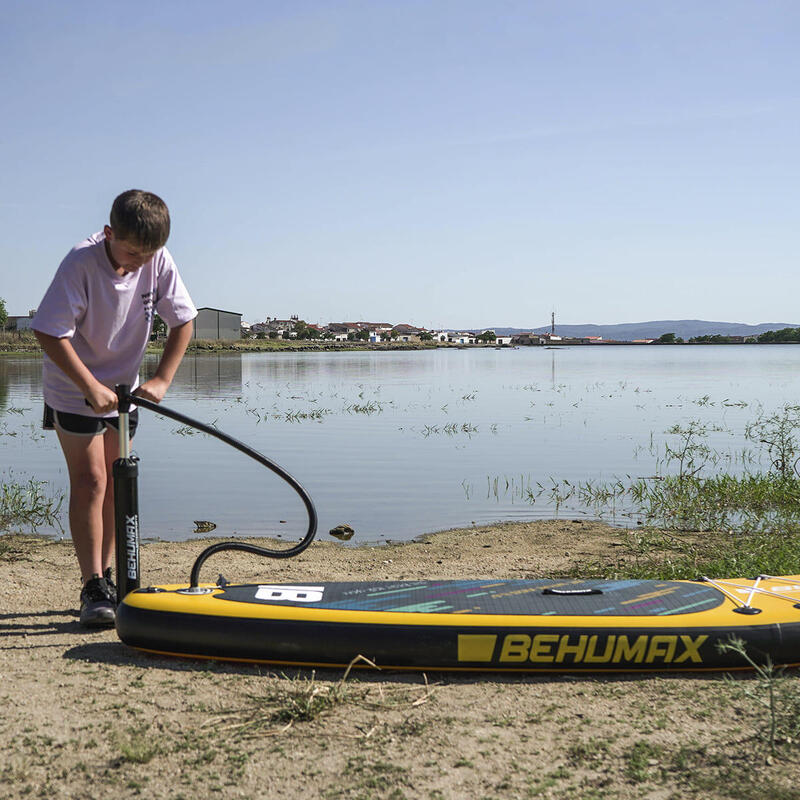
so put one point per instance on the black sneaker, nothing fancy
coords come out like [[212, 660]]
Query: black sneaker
[[97, 607], [112, 587]]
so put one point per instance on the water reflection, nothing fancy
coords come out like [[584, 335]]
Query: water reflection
[[4, 384], [200, 375], [19, 376]]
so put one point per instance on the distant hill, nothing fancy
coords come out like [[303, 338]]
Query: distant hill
[[685, 328]]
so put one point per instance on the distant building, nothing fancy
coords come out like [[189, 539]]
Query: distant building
[[374, 327], [20, 322], [527, 339], [403, 328], [462, 337], [214, 323], [407, 333], [341, 328]]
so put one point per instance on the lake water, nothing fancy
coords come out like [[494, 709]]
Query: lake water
[[400, 443]]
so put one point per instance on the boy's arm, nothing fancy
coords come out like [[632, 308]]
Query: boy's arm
[[174, 348], [63, 355]]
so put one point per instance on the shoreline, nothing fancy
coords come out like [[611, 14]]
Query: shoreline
[[258, 346], [32, 348]]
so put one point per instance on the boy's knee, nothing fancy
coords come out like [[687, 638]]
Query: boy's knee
[[89, 483]]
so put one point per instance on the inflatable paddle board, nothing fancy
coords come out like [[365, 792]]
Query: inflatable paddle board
[[475, 625], [478, 625]]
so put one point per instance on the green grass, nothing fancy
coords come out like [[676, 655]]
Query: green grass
[[19, 342], [305, 699], [715, 529], [696, 519], [138, 746], [29, 505], [693, 517], [642, 760], [760, 501]]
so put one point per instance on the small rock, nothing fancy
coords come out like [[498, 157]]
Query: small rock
[[342, 532], [203, 526]]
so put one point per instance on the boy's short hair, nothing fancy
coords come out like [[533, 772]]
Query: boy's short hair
[[140, 217]]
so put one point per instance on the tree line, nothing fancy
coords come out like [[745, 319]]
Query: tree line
[[782, 336]]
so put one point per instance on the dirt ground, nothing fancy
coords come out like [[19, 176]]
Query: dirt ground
[[84, 716]]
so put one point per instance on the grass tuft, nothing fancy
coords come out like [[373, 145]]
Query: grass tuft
[[27, 504]]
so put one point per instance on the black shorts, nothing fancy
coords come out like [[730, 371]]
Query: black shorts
[[85, 426]]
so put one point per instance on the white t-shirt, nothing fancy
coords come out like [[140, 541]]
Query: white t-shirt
[[108, 318]]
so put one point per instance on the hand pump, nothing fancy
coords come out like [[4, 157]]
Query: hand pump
[[126, 502]]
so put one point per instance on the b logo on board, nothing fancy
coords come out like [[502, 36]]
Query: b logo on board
[[291, 594]]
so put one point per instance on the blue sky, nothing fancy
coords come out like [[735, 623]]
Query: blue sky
[[441, 163]]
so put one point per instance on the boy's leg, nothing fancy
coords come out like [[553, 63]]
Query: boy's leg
[[111, 447], [88, 479]]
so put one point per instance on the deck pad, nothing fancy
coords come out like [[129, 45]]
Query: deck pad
[[518, 597]]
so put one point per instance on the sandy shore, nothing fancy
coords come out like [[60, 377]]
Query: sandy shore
[[84, 716]]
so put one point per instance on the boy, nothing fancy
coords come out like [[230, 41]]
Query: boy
[[93, 325]]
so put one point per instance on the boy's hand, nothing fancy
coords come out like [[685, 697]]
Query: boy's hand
[[101, 399], [177, 339], [153, 390]]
